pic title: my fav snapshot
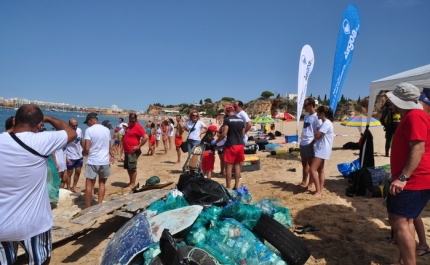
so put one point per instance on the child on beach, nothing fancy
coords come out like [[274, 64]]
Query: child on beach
[[220, 146], [164, 135], [157, 135], [115, 138], [151, 140], [208, 159]]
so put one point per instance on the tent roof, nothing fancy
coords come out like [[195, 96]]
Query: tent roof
[[420, 77]]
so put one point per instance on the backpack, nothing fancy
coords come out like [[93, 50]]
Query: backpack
[[361, 181]]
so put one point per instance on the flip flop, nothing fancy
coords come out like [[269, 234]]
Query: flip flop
[[305, 229], [424, 251]]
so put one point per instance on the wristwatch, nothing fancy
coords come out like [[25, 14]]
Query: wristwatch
[[403, 178]]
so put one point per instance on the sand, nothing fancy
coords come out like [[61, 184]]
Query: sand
[[353, 230]]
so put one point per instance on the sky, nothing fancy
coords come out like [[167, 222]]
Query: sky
[[135, 53]]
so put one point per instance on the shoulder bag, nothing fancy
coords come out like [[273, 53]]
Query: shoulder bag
[[184, 145], [26, 147]]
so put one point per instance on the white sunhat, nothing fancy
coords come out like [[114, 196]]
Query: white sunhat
[[405, 96]]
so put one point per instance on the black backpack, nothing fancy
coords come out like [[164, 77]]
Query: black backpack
[[361, 181]]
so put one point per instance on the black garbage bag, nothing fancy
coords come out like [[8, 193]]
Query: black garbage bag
[[202, 191], [170, 253]]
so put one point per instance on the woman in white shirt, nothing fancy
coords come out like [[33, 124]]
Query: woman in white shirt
[[195, 129], [323, 143]]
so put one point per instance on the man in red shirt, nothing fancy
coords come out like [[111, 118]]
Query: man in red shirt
[[134, 138], [410, 168]]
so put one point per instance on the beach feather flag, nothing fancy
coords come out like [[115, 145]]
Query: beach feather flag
[[348, 32], [306, 64]]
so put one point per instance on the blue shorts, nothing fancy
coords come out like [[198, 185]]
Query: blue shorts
[[408, 203], [37, 249], [75, 163]]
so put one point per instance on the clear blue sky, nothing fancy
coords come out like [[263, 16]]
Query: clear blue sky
[[135, 53]]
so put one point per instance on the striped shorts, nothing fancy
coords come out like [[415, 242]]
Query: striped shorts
[[38, 249]]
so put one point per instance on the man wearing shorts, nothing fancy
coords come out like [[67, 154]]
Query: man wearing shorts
[[134, 138], [74, 158], [410, 168], [311, 123], [25, 211], [234, 153], [238, 108], [99, 154]]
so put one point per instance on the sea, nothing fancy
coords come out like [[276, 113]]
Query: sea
[[5, 113]]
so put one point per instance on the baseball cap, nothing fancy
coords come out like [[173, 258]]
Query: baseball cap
[[212, 128], [425, 96], [90, 116], [107, 124], [405, 96], [229, 108], [125, 125]]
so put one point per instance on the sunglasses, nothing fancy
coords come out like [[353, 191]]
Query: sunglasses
[[194, 115]]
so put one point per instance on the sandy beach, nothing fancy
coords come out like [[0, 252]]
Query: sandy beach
[[352, 230]]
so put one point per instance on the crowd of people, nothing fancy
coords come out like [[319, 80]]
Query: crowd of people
[[26, 218]]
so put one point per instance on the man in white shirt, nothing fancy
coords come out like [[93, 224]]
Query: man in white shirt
[[25, 211], [74, 159], [238, 108], [99, 154]]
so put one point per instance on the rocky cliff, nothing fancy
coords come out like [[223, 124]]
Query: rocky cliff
[[260, 106]]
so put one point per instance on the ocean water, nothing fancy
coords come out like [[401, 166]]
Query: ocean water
[[5, 113]]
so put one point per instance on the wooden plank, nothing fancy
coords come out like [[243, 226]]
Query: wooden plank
[[99, 210], [123, 214], [142, 203]]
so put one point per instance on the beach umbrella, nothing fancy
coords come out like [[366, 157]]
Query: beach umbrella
[[360, 121], [288, 116], [264, 120]]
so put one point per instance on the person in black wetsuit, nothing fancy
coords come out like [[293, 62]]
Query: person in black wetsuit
[[389, 119]]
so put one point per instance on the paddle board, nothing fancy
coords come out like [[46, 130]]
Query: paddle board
[[142, 231]]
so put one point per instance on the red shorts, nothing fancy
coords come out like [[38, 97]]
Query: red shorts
[[234, 154], [178, 141], [208, 161]]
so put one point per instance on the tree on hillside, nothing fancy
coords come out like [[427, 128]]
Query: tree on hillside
[[170, 106], [319, 100], [227, 99], [311, 96], [278, 96], [325, 102], [200, 102], [358, 100], [158, 105], [266, 94], [208, 100], [210, 112]]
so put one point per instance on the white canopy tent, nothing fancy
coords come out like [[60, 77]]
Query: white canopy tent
[[420, 77]]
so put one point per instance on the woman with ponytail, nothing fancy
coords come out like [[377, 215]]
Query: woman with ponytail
[[323, 143]]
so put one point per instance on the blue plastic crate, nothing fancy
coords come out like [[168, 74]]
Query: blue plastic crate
[[291, 138]]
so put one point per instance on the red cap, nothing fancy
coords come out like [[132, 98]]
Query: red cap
[[212, 128], [229, 108]]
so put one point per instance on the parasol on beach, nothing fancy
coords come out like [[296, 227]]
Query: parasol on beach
[[263, 120], [360, 121]]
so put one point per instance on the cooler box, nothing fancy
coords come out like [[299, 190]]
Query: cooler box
[[271, 147], [251, 163], [291, 138], [251, 149]]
